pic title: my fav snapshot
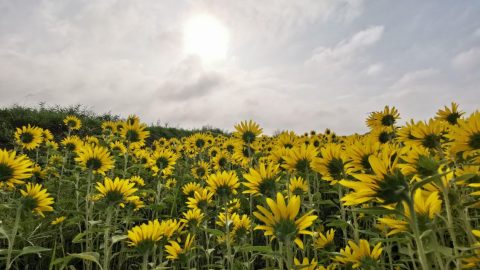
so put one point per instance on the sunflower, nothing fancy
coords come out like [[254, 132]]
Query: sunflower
[[262, 179], [200, 170], [385, 118], [323, 240], [241, 226], [430, 135], [118, 147], [305, 264], [137, 180], [134, 133], [162, 162], [278, 154], [176, 252], [199, 141], [287, 139], [14, 169], [474, 260], [247, 131], [359, 255], [117, 191], [220, 162], [419, 163], [193, 217], [243, 154], [449, 115], [72, 143], [299, 159], [333, 164], [359, 152], [47, 135], [280, 221], [224, 183], [190, 188], [95, 158], [298, 186], [201, 199], [466, 135], [171, 183], [36, 199], [144, 236], [427, 206], [109, 127], [58, 220], [386, 184], [72, 122], [29, 137], [383, 134]]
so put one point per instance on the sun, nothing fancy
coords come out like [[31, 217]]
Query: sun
[[205, 37]]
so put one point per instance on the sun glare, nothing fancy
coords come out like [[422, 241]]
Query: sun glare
[[206, 37]]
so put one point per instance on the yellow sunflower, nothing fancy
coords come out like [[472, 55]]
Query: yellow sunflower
[[176, 252], [162, 162], [201, 199], [333, 164], [247, 131], [385, 118], [14, 169], [72, 122], [144, 236], [429, 134], [200, 170], [287, 139], [117, 191], [449, 115], [359, 152], [58, 220], [262, 180], [29, 137], [36, 199], [190, 188], [118, 147], [193, 217], [134, 133], [72, 143], [224, 183], [466, 135], [386, 184], [359, 255], [298, 186], [299, 159], [95, 158], [321, 240], [281, 223]]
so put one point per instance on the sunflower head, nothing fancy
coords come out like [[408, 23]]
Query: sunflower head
[[385, 118], [29, 137], [36, 199], [72, 122], [248, 131], [262, 179], [224, 183], [118, 191], [450, 115], [14, 169], [95, 158]]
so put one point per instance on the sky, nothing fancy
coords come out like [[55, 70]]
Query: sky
[[289, 65]]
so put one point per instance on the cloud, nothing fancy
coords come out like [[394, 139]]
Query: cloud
[[467, 60], [374, 69], [346, 50]]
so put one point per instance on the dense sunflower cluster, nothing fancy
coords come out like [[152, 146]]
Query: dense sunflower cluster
[[398, 197]]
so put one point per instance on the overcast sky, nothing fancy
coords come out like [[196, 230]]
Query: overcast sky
[[289, 64]]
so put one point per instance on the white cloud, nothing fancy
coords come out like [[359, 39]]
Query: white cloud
[[467, 60], [346, 50], [374, 69]]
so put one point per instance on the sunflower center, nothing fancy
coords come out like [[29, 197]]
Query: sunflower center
[[213, 153], [26, 137], [474, 141], [316, 143], [200, 143], [71, 146], [94, 163], [224, 191], [392, 188], [132, 135], [285, 230], [230, 148], [200, 171], [6, 172], [365, 163], [161, 162], [335, 168], [29, 203], [302, 165], [388, 120], [267, 187], [426, 166], [222, 162], [114, 196], [288, 145], [384, 137], [431, 141], [453, 117], [71, 123], [248, 136]]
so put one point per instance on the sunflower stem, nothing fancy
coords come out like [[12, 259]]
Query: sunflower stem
[[106, 239], [11, 242], [227, 237], [451, 229], [145, 260], [416, 232]]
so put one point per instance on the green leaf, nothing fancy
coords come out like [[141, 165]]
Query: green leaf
[[3, 232], [377, 211], [215, 232], [117, 238], [86, 256], [32, 249], [261, 249], [78, 238], [426, 181]]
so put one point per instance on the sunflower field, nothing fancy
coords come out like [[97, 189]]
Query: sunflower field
[[398, 197]]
